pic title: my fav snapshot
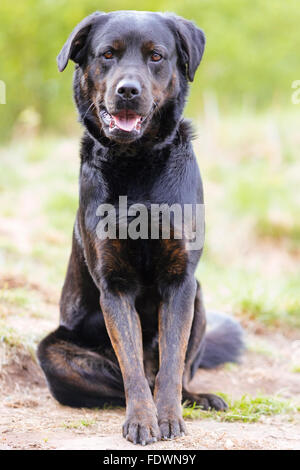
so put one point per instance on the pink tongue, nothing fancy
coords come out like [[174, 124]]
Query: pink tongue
[[126, 122]]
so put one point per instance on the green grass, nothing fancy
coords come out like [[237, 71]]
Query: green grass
[[61, 209], [23, 310], [247, 409], [250, 169], [18, 297], [25, 301], [80, 424], [13, 340], [243, 290], [268, 196], [38, 198], [273, 305], [261, 349]]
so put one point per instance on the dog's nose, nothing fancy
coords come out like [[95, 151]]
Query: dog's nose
[[128, 89]]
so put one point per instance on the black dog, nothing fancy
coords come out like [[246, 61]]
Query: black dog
[[132, 318]]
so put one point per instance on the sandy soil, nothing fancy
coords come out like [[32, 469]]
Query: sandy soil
[[31, 419]]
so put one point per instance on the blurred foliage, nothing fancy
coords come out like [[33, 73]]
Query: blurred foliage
[[250, 61]]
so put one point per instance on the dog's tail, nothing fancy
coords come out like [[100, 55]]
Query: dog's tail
[[223, 342]]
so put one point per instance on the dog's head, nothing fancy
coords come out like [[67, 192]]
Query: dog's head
[[131, 67]]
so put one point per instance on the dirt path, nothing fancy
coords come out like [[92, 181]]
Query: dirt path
[[31, 419]]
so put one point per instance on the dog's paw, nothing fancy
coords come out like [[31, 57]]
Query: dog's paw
[[172, 427], [141, 430], [207, 401]]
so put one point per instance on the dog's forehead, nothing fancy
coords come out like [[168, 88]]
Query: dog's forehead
[[133, 27]]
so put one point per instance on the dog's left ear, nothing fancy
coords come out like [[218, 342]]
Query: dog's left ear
[[74, 46], [190, 42]]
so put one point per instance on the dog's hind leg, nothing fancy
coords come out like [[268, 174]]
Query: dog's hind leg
[[78, 376]]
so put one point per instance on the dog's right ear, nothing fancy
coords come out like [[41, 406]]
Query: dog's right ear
[[190, 43], [74, 46]]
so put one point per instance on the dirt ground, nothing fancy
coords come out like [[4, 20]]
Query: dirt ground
[[31, 419]]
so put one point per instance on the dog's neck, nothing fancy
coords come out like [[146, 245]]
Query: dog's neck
[[144, 151], [162, 133]]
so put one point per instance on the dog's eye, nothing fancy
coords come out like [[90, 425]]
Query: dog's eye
[[108, 55], [155, 56]]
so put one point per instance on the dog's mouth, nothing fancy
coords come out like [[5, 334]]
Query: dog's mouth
[[125, 125], [125, 120]]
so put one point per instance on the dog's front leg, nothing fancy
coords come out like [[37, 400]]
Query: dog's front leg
[[123, 326], [175, 320]]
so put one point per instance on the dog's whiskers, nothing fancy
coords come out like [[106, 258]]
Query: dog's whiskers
[[156, 107], [89, 108]]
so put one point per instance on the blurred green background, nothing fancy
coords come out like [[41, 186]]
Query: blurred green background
[[248, 140], [251, 59]]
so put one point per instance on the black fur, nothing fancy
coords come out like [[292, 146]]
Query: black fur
[[132, 318]]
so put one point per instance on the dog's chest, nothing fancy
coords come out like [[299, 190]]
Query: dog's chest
[[125, 263]]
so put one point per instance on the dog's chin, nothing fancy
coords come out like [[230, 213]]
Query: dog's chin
[[125, 126]]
